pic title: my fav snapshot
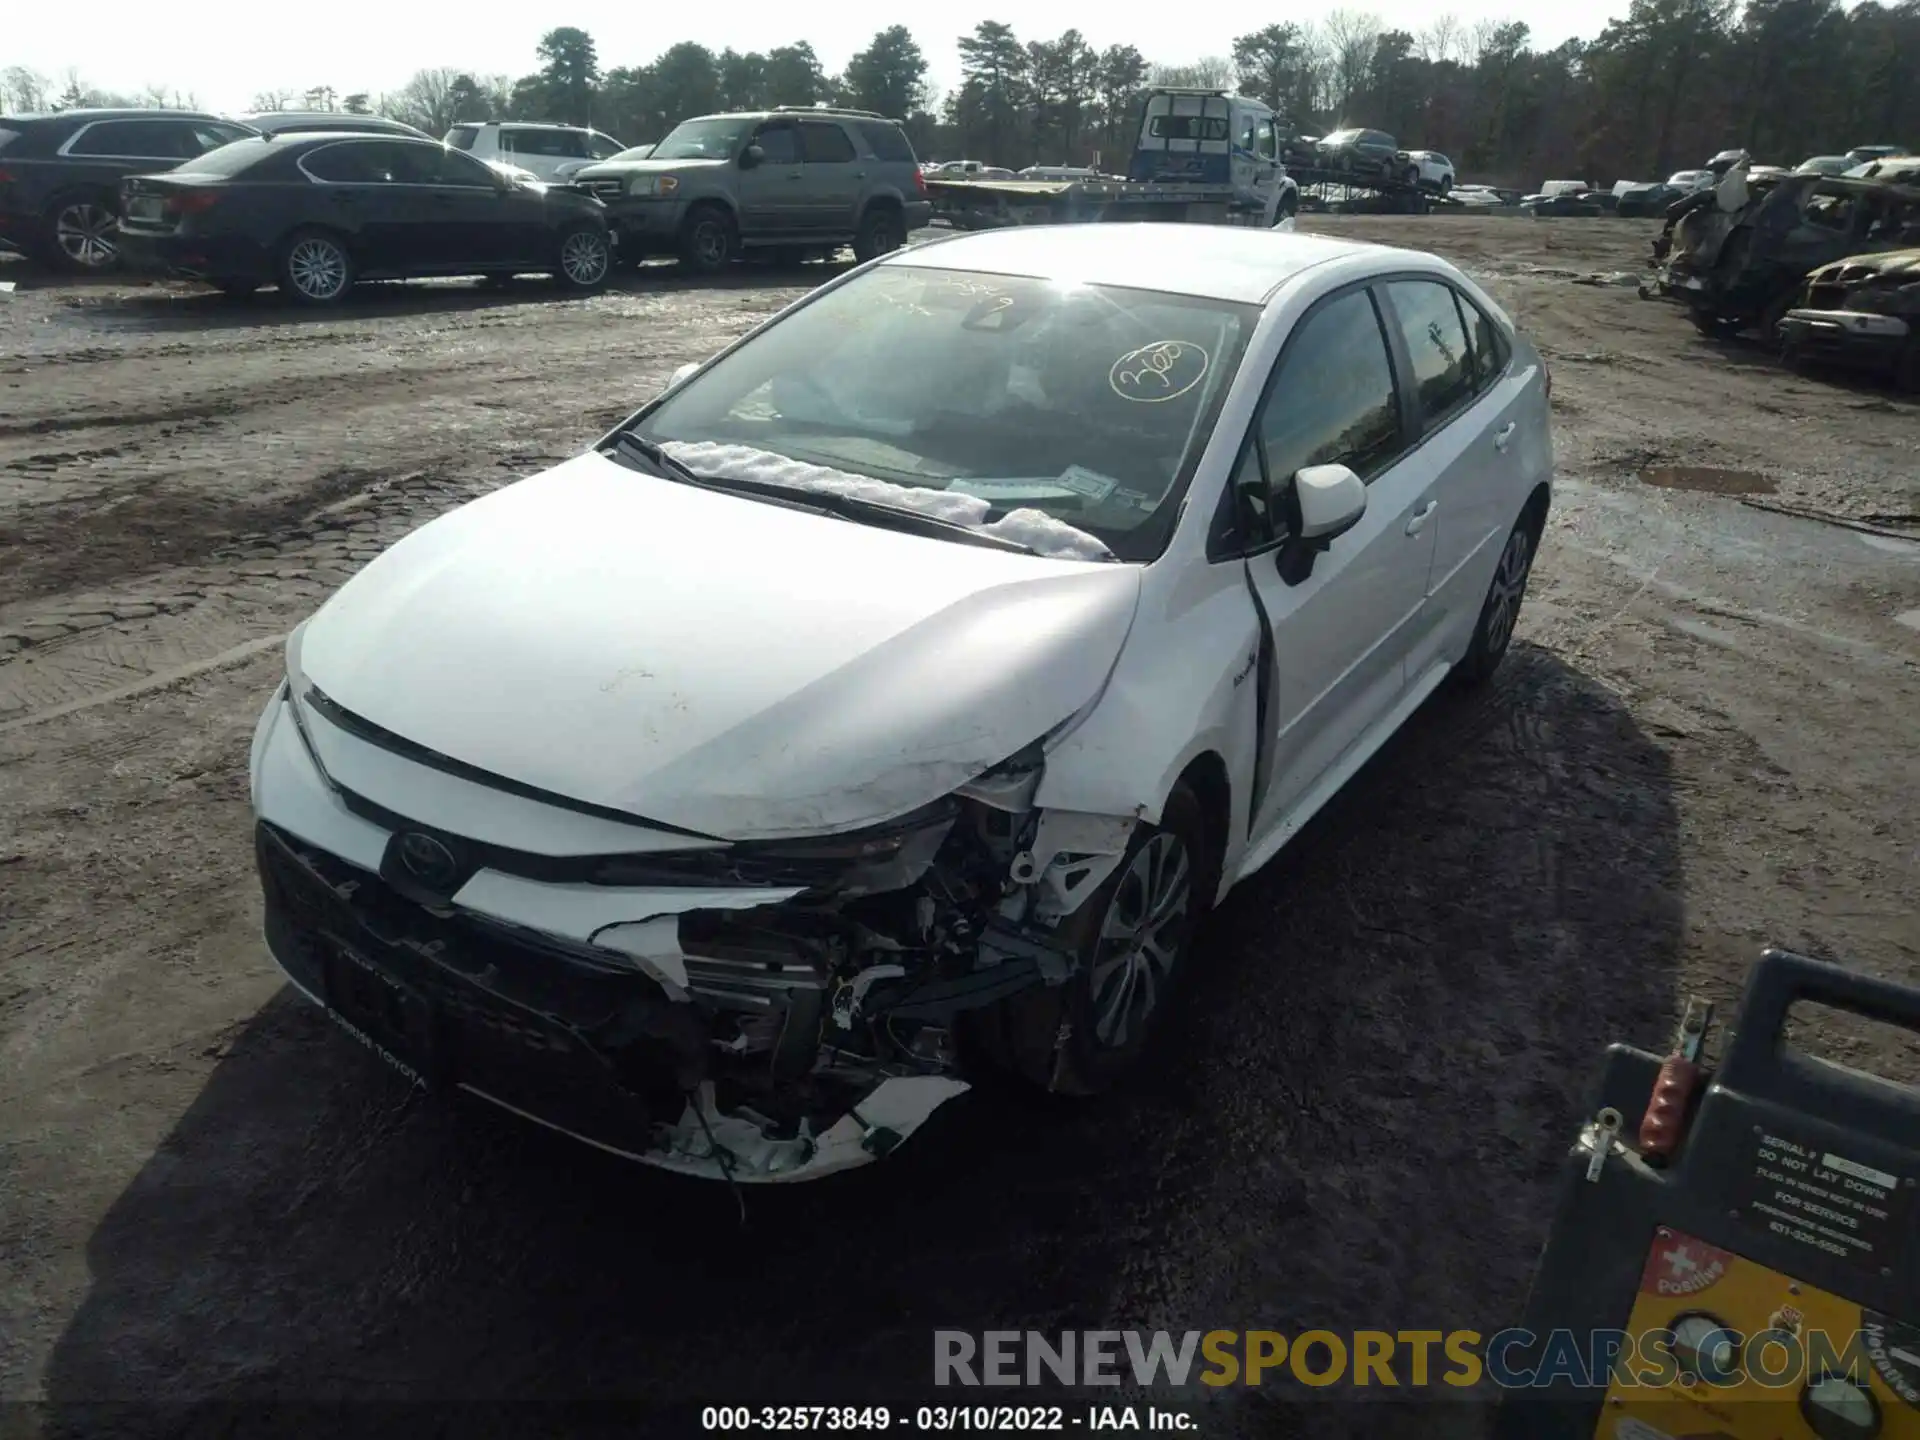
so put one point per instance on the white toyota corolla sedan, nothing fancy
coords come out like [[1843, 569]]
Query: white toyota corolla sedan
[[895, 694]]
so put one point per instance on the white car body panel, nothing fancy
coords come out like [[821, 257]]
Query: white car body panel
[[766, 718], [597, 661]]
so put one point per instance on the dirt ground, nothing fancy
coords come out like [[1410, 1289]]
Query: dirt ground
[[1704, 743]]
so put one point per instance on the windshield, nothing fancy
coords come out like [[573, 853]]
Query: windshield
[[1341, 137], [702, 140], [636, 152], [980, 397]]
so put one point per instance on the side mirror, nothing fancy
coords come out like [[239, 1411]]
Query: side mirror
[[682, 373], [751, 156], [1330, 500]]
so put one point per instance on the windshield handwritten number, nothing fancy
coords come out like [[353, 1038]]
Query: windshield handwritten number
[[1164, 370]]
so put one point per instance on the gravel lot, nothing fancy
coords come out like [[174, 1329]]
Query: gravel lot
[[1704, 743]]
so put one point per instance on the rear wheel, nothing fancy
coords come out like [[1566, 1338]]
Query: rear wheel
[[708, 240], [881, 233], [1500, 612], [584, 259], [315, 268], [80, 235], [1412, 177]]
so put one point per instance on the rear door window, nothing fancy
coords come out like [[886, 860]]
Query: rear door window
[[824, 143], [353, 162], [135, 140], [888, 142], [549, 144]]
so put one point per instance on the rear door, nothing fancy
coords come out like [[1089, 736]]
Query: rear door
[[368, 189], [1468, 411], [1338, 635], [833, 178]]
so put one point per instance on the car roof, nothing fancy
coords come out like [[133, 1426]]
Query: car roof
[[1238, 263], [118, 112]]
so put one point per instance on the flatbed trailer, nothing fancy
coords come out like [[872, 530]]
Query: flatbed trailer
[[992, 204]]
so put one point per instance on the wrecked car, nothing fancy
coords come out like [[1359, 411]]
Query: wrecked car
[[890, 698], [1740, 267], [1863, 310]]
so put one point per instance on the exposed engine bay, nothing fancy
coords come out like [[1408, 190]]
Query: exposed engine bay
[[864, 979]]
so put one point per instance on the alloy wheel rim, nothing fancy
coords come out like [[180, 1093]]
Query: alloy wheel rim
[[1141, 936], [1509, 584], [318, 269], [84, 232], [584, 258]]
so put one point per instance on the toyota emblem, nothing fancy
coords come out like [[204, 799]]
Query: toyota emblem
[[427, 860]]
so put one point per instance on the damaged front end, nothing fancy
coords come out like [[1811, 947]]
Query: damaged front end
[[1861, 311], [793, 1007]]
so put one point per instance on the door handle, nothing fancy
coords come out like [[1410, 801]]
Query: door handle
[[1503, 436], [1417, 521]]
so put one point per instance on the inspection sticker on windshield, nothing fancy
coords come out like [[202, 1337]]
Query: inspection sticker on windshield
[[1089, 483], [1164, 370]]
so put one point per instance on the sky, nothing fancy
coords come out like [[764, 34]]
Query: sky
[[374, 45]]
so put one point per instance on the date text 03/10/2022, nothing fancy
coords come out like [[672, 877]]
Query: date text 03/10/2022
[[980, 1419]]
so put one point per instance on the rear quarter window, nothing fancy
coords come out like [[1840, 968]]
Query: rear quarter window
[[461, 137], [7, 137], [888, 142]]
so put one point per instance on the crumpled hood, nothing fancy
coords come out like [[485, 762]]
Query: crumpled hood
[[1895, 266], [735, 668]]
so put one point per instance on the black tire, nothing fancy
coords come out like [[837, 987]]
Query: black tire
[[1446, 184], [315, 268], [1083, 1037], [1500, 611], [1906, 369], [78, 234], [583, 259], [709, 240], [881, 232], [1413, 176]]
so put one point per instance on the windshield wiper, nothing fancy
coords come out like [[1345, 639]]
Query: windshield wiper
[[820, 502]]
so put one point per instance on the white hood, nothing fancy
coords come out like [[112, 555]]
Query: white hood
[[730, 667]]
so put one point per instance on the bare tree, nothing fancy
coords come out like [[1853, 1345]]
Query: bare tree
[[272, 100], [1352, 37], [429, 100], [1441, 41], [1209, 72], [22, 89]]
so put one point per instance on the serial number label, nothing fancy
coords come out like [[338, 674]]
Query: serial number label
[[1824, 1200], [991, 1419]]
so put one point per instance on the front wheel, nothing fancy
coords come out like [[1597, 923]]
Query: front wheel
[[584, 260], [315, 268], [1413, 176], [708, 240], [881, 233], [1132, 937], [1500, 612]]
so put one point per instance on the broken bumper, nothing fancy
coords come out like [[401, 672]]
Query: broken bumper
[[592, 1051], [728, 1031], [1856, 335]]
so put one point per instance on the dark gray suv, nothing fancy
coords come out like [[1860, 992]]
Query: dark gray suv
[[794, 180]]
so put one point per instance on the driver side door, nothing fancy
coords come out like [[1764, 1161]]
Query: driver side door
[[1336, 636], [770, 198]]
